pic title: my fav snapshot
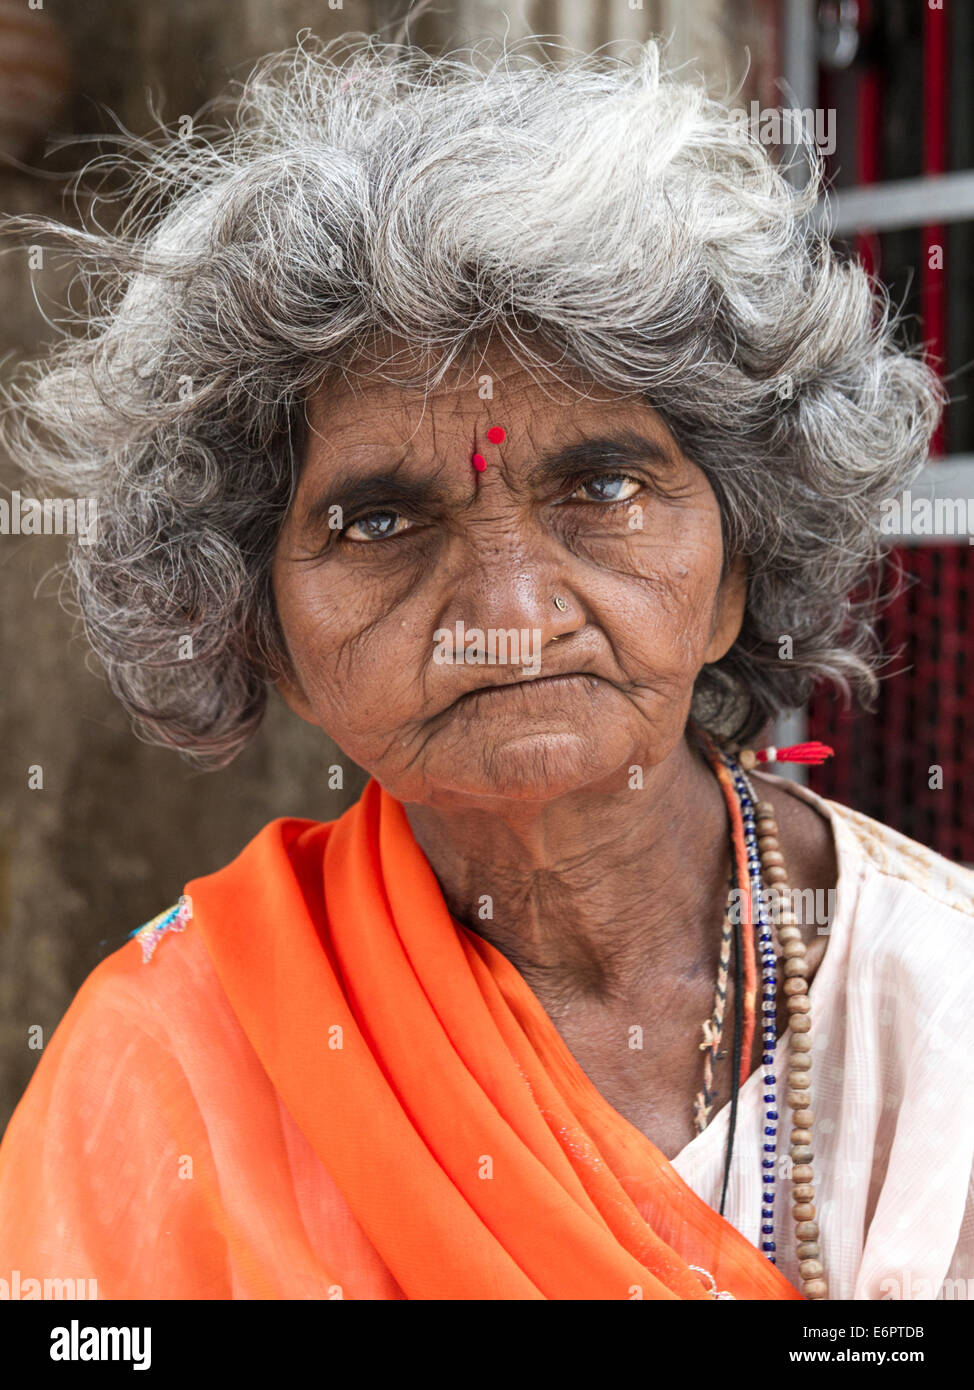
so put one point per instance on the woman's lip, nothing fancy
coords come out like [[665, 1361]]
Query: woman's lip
[[540, 684]]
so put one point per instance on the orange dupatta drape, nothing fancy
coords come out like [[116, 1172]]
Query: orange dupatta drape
[[473, 1152]]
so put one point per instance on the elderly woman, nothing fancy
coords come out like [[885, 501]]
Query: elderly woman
[[513, 423]]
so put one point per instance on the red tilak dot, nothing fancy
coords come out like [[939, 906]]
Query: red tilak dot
[[496, 435], [479, 462]]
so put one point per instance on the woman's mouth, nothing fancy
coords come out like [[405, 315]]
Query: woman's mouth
[[537, 688]]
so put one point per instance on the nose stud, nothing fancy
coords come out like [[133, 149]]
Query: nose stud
[[561, 604]]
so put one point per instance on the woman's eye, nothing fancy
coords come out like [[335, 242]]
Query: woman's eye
[[608, 487], [376, 526]]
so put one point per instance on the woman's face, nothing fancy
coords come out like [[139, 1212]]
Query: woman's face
[[589, 501]]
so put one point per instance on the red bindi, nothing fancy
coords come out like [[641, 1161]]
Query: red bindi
[[496, 435]]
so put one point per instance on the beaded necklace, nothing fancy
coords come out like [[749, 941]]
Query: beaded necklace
[[762, 893]]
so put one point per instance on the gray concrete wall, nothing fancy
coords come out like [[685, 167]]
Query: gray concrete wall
[[118, 827]]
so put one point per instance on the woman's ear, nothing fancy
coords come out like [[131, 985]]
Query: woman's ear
[[729, 608]]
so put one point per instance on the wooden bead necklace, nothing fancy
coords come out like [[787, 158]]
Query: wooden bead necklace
[[762, 895]]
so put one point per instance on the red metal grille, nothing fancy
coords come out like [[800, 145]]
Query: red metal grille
[[883, 761]]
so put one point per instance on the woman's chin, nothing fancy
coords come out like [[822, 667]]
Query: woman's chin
[[536, 767]]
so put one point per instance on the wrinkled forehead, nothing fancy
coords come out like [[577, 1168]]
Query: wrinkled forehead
[[394, 388]]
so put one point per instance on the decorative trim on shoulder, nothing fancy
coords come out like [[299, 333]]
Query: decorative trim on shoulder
[[897, 856], [175, 918]]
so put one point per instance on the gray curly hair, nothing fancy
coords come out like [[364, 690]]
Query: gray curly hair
[[597, 213]]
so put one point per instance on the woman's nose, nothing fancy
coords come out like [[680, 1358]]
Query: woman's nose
[[520, 586]]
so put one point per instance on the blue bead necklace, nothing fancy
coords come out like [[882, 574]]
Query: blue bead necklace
[[769, 992]]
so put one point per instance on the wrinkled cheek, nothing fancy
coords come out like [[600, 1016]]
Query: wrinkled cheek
[[674, 633], [361, 698], [690, 642]]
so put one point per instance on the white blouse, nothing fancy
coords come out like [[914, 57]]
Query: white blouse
[[892, 1081]]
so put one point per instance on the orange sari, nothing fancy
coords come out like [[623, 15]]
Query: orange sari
[[327, 1087]]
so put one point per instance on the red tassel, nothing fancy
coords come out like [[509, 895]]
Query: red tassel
[[798, 753]]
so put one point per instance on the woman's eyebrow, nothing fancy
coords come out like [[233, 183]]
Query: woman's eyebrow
[[626, 446], [352, 491]]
